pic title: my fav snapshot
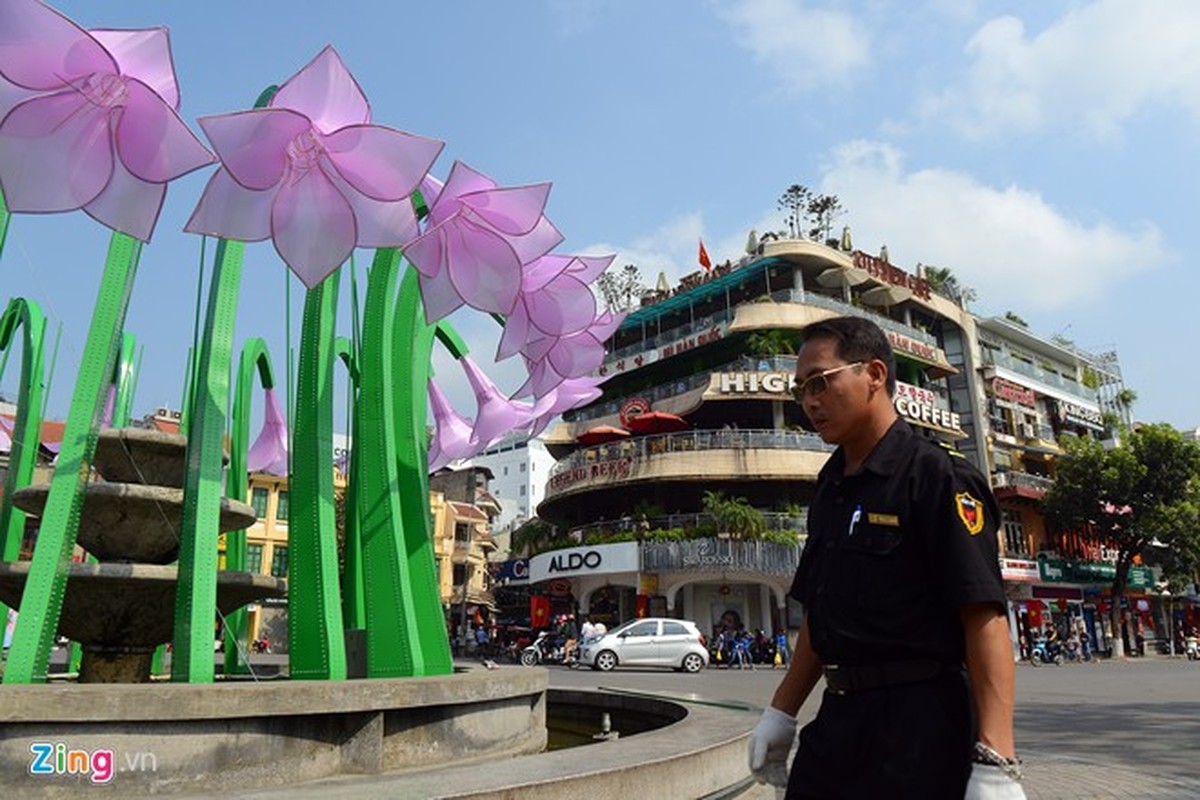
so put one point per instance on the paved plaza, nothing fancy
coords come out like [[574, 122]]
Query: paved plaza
[[1113, 729]]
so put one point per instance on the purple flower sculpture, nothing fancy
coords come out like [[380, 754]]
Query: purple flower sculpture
[[88, 119], [452, 439], [479, 237], [554, 301], [269, 453], [312, 174], [572, 356]]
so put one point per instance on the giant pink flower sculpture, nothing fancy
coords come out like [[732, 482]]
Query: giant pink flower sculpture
[[572, 356], [269, 453], [478, 239], [312, 174], [554, 301], [88, 119]]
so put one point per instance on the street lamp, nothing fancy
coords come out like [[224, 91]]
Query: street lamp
[[1169, 602]]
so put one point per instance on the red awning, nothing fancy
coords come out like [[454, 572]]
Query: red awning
[[656, 422], [601, 434]]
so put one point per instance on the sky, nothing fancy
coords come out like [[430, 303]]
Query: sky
[[1046, 152]]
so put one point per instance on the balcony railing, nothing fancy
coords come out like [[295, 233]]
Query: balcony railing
[[688, 441], [670, 336], [1014, 479], [776, 522], [994, 358], [842, 307], [723, 555]]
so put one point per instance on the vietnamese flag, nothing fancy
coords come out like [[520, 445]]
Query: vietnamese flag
[[704, 260], [539, 611]]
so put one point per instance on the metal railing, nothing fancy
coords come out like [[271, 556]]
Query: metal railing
[[687, 441], [842, 307], [1012, 478], [992, 358], [724, 555], [776, 521]]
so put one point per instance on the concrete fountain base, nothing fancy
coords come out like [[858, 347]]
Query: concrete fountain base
[[235, 736]]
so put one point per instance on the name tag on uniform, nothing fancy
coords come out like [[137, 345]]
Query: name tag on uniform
[[890, 520]]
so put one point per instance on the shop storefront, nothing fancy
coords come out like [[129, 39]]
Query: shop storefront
[[600, 580]]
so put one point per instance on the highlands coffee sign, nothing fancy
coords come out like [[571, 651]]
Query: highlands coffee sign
[[601, 559], [920, 406], [1072, 414], [755, 382], [1013, 392]]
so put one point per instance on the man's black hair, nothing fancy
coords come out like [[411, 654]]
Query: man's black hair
[[857, 339]]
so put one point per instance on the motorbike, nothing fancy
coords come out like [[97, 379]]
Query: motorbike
[[1193, 648], [544, 650], [1046, 652]]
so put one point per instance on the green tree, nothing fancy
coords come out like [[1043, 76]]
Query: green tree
[[1015, 319], [734, 516], [794, 202], [622, 289], [1140, 498], [763, 344], [943, 281], [533, 537], [823, 210]]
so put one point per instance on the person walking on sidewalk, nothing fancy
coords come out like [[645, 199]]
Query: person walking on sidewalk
[[901, 588]]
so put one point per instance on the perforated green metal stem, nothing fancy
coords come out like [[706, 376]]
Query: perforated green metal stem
[[41, 603], [25, 316], [354, 604], [124, 378], [196, 592], [255, 358], [316, 641]]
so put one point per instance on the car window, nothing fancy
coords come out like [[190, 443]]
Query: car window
[[643, 629], [674, 629]]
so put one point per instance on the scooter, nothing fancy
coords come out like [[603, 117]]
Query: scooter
[[1045, 652], [543, 650], [1193, 648]]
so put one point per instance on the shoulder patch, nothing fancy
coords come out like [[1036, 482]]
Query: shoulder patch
[[970, 511], [949, 448]]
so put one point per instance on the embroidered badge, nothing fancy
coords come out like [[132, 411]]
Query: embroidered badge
[[890, 520], [970, 511]]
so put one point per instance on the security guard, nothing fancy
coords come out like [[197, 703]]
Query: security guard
[[901, 588]]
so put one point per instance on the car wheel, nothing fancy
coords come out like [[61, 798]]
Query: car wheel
[[605, 660], [692, 662], [529, 658]]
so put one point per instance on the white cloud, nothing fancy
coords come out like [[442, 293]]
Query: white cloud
[[806, 47], [1009, 244], [1095, 67]]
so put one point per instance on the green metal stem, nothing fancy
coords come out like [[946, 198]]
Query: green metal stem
[[354, 609], [125, 377], [317, 644], [196, 592], [27, 316], [41, 603]]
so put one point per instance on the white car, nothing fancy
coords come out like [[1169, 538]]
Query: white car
[[649, 642]]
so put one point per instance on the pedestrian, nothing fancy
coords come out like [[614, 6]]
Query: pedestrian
[[900, 584], [781, 649], [588, 629]]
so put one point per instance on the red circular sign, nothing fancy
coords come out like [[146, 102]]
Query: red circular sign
[[633, 407]]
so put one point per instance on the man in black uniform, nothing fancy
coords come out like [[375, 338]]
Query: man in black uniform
[[901, 588]]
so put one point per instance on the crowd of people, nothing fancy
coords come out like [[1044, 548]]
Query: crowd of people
[[732, 645]]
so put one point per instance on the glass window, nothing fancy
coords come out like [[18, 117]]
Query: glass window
[[281, 507], [1014, 532], [258, 499], [643, 629], [279, 562], [522, 490], [506, 470], [674, 629], [254, 558], [522, 466]]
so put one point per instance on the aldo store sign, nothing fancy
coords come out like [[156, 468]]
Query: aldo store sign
[[601, 559]]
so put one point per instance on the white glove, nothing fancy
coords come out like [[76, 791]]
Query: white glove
[[769, 746], [991, 783]]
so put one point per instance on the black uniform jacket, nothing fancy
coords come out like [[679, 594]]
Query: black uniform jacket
[[895, 550]]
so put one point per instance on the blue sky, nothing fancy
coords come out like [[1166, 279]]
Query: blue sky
[[1046, 152]]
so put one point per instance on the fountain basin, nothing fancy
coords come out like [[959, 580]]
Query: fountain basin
[[132, 522], [141, 455], [131, 605], [238, 735]]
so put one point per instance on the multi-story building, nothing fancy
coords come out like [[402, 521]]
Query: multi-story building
[[519, 466], [698, 403]]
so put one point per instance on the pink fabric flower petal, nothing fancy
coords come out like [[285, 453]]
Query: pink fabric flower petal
[[55, 154], [538, 242], [380, 223], [512, 210], [269, 453], [153, 142], [541, 381], [128, 204], [326, 93], [312, 226], [431, 190], [576, 356], [561, 307], [515, 335], [144, 55], [229, 210], [483, 267], [496, 414], [382, 163], [11, 96], [543, 270], [452, 439], [428, 252], [589, 268], [252, 145], [461, 180], [439, 296], [42, 49]]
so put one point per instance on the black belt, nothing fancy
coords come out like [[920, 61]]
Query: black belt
[[846, 679]]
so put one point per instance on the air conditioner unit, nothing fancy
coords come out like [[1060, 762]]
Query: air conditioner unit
[[1028, 431]]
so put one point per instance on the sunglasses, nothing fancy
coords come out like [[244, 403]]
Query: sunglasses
[[816, 384]]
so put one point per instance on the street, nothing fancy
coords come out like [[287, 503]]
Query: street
[[1114, 729]]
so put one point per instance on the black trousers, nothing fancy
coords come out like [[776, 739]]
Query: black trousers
[[908, 741]]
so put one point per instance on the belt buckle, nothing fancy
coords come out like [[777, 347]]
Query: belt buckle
[[836, 690]]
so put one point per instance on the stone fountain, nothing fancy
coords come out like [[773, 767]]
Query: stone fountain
[[123, 607]]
